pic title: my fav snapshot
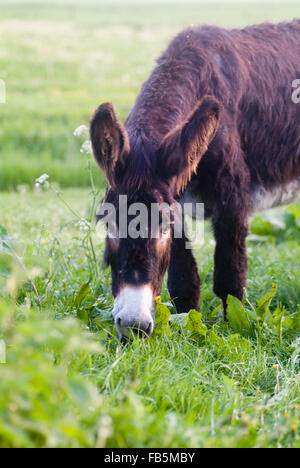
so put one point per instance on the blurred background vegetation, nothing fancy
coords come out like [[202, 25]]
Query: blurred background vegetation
[[60, 59]]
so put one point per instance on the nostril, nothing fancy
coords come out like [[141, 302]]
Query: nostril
[[119, 321], [149, 328], [125, 327], [144, 329]]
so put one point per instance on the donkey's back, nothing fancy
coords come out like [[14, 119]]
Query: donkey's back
[[252, 72], [249, 71]]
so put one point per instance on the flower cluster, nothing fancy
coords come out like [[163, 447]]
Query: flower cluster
[[42, 181], [86, 147], [82, 130], [83, 225]]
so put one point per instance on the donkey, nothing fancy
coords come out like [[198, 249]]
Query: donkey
[[214, 123]]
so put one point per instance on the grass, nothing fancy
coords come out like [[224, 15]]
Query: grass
[[67, 382], [60, 60]]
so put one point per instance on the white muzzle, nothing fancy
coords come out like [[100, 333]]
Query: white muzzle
[[133, 311]]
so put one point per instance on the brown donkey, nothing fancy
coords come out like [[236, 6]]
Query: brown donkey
[[215, 122]]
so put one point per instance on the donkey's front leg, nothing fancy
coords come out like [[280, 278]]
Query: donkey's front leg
[[230, 229], [183, 277]]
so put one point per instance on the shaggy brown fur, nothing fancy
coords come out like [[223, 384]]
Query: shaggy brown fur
[[216, 114]]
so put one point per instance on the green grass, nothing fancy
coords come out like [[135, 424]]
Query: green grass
[[61, 59], [68, 382]]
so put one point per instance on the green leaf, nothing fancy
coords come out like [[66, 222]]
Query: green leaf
[[178, 321], [162, 315], [83, 291], [263, 304], [83, 315], [194, 323], [237, 316], [281, 323]]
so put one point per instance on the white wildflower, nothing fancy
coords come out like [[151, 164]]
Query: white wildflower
[[86, 147], [83, 225], [82, 130], [41, 180]]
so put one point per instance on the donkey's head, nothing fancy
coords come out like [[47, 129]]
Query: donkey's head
[[138, 250]]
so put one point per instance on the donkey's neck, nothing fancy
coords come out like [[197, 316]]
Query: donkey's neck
[[165, 101]]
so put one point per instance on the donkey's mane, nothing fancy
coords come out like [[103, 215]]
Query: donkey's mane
[[242, 68]]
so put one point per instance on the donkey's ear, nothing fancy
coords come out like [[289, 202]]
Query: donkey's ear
[[183, 147], [109, 142]]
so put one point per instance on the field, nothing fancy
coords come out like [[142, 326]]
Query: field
[[61, 59], [65, 381]]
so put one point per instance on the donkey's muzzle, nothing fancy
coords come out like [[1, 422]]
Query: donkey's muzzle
[[133, 312], [126, 327]]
